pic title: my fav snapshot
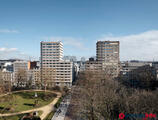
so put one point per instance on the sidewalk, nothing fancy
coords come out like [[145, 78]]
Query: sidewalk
[[61, 111]]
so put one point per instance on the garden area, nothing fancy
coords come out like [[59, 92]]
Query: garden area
[[25, 100], [24, 116]]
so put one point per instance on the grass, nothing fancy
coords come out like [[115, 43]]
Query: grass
[[49, 116], [58, 102], [22, 101], [17, 117]]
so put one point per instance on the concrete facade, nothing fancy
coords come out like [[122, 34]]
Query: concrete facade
[[107, 58], [108, 51], [52, 58]]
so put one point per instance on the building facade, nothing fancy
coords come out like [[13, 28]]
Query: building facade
[[108, 51], [107, 58], [52, 58], [20, 69], [51, 52]]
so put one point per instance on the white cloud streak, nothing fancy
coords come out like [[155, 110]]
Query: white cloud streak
[[8, 49], [8, 53], [8, 31], [143, 46]]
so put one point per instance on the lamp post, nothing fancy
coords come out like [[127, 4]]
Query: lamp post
[[36, 100]]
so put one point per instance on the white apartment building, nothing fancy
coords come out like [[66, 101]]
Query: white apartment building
[[17, 65], [52, 57], [51, 52], [6, 77]]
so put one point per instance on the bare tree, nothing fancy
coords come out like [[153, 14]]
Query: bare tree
[[5, 81], [1, 82], [48, 77], [21, 78], [98, 96]]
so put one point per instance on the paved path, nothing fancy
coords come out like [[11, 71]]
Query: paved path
[[61, 111], [46, 109]]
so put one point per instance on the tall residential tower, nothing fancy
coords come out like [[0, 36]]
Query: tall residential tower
[[108, 51], [51, 52], [54, 70], [107, 58]]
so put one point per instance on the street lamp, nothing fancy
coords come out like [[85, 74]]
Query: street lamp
[[36, 100]]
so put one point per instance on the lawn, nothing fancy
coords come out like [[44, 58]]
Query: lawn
[[49, 116], [16, 117], [22, 101]]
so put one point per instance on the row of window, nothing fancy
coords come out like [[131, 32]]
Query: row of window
[[52, 49], [106, 46], [55, 63], [55, 57], [50, 46], [51, 54], [108, 49], [48, 52], [59, 66], [50, 43], [49, 60]]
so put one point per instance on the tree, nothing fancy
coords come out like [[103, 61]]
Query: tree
[[1, 82], [29, 82], [5, 81], [21, 78], [143, 78], [48, 77], [98, 96]]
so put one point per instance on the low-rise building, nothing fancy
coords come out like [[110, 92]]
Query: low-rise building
[[20, 69]]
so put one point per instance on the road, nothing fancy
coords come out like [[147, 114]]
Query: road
[[61, 111]]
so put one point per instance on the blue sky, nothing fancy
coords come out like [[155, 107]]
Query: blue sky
[[79, 24]]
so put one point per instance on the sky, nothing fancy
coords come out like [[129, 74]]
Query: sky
[[79, 24]]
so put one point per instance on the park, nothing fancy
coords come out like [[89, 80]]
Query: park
[[17, 104]]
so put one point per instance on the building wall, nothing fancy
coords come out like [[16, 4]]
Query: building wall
[[20, 66], [51, 52], [6, 77], [108, 51], [93, 66], [108, 60], [51, 58]]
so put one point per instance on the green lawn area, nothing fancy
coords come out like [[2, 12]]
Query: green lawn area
[[22, 101], [17, 117], [49, 116]]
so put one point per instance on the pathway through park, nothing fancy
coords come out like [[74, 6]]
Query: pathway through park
[[45, 109]]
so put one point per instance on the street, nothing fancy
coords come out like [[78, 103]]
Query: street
[[61, 111]]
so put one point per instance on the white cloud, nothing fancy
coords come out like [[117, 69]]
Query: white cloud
[[8, 31], [8, 53], [142, 46], [74, 42], [8, 49]]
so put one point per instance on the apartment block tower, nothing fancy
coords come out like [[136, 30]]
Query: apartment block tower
[[54, 70], [108, 51], [107, 58], [51, 52]]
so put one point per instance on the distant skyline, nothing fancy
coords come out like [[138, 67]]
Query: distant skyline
[[79, 24]]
